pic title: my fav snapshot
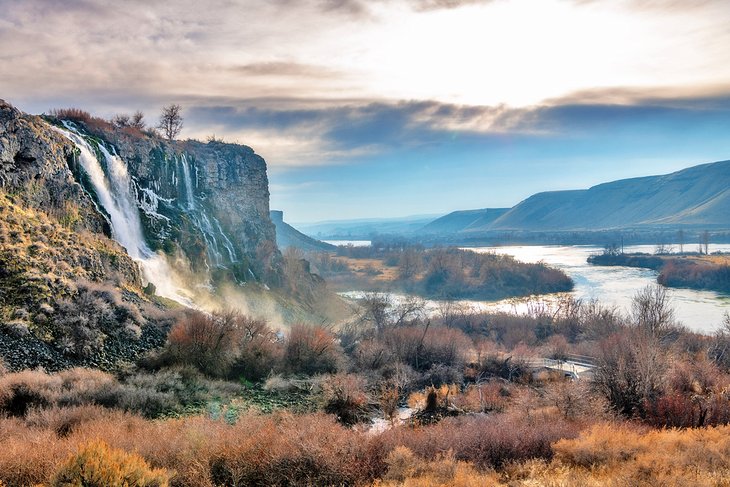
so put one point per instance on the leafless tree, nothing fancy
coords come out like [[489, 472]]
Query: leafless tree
[[719, 349], [412, 308], [680, 238], [171, 121], [705, 242], [630, 370], [377, 310], [137, 120], [651, 311], [450, 312], [410, 263], [121, 120]]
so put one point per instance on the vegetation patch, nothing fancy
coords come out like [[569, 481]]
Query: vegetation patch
[[439, 273]]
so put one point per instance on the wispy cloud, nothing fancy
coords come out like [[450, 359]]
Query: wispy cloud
[[288, 69], [296, 133]]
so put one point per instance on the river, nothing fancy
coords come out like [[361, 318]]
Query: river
[[615, 286], [701, 311]]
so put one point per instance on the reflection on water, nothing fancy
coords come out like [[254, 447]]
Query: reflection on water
[[613, 286]]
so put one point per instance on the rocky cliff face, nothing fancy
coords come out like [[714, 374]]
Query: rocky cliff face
[[206, 201], [34, 166], [89, 213], [288, 236]]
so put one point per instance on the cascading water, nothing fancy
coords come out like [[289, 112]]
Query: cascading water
[[113, 189], [209, 226]]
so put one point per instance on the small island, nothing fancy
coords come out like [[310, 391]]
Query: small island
[[685, 270], [437, 273]]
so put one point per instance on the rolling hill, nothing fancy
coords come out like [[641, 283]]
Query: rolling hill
[[696, 197]]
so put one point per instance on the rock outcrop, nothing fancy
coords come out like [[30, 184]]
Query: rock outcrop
[[206, 201], [288, 236], [34, 165], [69, 291]]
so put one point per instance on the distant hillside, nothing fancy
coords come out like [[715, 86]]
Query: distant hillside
[[288, 236], [697, 196], [365, 229], [464, 221]]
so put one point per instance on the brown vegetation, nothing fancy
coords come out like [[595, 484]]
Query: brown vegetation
[[695, 271], [448, 273], [97, 464]]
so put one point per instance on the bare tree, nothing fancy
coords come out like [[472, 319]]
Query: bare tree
[[121, 120], [377, 310], [411, 309], [137, 120], [410, 263], [706, 241], [171, 121], [651, 311], [719, 349], [630, 370], [680, 238]]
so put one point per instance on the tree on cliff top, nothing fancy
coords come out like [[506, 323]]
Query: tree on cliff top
[[171, 121]]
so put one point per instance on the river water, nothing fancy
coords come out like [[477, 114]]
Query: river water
[[615, 286], [701, 311]]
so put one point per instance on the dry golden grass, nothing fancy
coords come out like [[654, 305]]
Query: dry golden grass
[[623, 455], [374, 269], [97, 464], [42, 254], [313, 449], [407, 470]]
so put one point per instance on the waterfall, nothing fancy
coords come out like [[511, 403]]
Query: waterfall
[[114, 192], [208, 225]]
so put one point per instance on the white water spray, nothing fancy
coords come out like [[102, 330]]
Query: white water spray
[[114, 192]]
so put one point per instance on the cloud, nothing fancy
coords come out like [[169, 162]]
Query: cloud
[[299, 133], [428, 5], [284, 68]]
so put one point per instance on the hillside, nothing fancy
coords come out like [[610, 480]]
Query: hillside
[[288, 236], [102, 227], [464, 221], [696, 199], [696, 196]]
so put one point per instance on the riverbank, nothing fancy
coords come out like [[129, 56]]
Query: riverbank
[[693, 271], [444, 273]]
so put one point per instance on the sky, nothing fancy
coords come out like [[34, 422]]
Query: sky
[[386, 108]]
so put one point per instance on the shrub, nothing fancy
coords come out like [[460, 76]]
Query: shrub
[[422, 348], [486, 397], [259, 350], [406, 469], [207, 342], [487, 442], [345, 397], [97, 465], [19, 392], [83, 324], [165, 392], [311, 350]]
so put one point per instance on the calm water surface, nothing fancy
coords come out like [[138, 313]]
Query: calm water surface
[[699, 310]]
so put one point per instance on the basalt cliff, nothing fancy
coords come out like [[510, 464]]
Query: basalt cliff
[[104, 220]]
